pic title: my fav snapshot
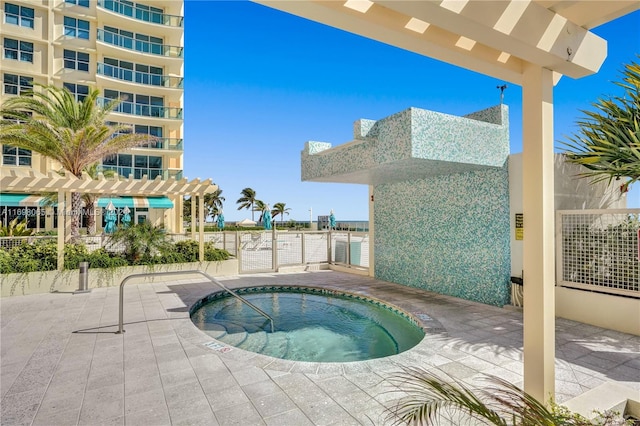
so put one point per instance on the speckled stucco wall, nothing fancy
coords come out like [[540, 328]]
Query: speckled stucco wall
[[441, 210], [448, 234]]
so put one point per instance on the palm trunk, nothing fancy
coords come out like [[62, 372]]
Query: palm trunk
[[76, 211]]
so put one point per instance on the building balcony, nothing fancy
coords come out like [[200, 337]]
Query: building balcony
[[140, 77], [139, 45], [176, 174], [144, 110], [141, 13], [137, 173], [168, 144]]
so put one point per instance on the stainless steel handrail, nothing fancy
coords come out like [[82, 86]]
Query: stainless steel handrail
[[193, 271]]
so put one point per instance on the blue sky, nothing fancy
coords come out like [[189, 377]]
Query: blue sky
[[259, 83]]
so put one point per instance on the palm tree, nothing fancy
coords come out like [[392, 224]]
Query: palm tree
[[430, 396], [141, 241], [247, 200], [213, 203], [608, 141], [279, 209], [259, 206], [75, 134]]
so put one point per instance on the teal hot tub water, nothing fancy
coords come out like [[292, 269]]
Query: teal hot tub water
[[311, 324]]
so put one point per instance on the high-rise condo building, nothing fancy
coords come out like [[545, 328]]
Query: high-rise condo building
[[132, 51]]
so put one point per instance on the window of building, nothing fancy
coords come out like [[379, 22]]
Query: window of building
[[138, 165], [18, 15], [130, 40], [76, 28], [84, 3], [17, 84], [149, 130], [12, 156], [149, 106], [79, 91], [139, 11], [18, 50], [140, 73], [148, 44], [149, 13], [76, 60]]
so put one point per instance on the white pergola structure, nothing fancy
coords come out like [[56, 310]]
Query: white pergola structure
[[531, 43], [65, 184]]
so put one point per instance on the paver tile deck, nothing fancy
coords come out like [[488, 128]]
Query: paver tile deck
[[62, 364]]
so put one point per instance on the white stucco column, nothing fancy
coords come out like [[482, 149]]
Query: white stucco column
[[66, 216], [538, 243], [61, 229], [201, 227], [372, 257]]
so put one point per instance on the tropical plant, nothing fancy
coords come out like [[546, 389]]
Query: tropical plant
[[259, 206], [75, 134], [608, 140], [247, 200], [213, 203], [141, 241], [15, 229], [429, 397], [279, 209], [186, 208]]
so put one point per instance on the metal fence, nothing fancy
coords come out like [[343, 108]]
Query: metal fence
[[292, 248], [8, 243], [597, 250], [255, 249]]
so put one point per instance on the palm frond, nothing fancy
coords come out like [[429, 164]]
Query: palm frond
[[430, 396], [608, 141]]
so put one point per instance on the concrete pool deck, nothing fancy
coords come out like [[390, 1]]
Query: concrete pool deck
[[62, 364]]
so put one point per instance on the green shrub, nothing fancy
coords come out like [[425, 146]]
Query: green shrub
[[39, 256], [212, 254], [103, 259], [189, 249], [6, 262], [43, 256], [74, 254]]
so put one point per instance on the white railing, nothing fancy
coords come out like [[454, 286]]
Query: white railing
[[8, 243], [257, 254], [597, 250]]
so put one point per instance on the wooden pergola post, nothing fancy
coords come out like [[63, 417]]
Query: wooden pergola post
[[193, 217], [67, 217], [61, 229], [539, 214], [201, 227], [18, 181]]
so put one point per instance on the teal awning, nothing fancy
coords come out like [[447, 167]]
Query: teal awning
[[21, 200], [140, 202]]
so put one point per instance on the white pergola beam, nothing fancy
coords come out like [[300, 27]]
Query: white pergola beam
[[388, 26], [16, 181], [523, 29], [506, 34]]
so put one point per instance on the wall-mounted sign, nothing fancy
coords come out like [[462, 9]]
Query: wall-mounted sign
[[519, 226]]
